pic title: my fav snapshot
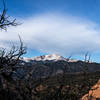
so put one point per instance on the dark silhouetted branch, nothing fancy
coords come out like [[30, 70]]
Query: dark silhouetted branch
[[5, 21]]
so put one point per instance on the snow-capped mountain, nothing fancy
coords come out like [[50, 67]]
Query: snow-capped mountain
[[54, 57], [51, 57]]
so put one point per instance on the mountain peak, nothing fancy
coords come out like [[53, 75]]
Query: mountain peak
[[54, 57]]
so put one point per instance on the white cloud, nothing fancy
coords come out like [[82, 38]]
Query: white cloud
[[55, 33]]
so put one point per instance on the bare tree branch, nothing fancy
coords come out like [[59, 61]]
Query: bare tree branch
[[5, 20], [9, 60]]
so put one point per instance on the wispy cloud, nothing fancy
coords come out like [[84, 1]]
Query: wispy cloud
[[55, 33]]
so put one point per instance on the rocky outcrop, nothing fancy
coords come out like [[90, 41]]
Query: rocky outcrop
[[94, 93]]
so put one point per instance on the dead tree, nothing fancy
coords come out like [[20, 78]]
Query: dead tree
[[9, 59], [86, 61], [85, 71]]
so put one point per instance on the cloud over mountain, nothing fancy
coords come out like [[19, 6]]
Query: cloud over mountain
[[55, 33]]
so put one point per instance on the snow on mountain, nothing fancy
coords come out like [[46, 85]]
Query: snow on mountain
[[26, 59], [52, 57]]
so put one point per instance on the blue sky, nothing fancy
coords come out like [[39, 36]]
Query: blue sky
[[52, 21], [84, 8]]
